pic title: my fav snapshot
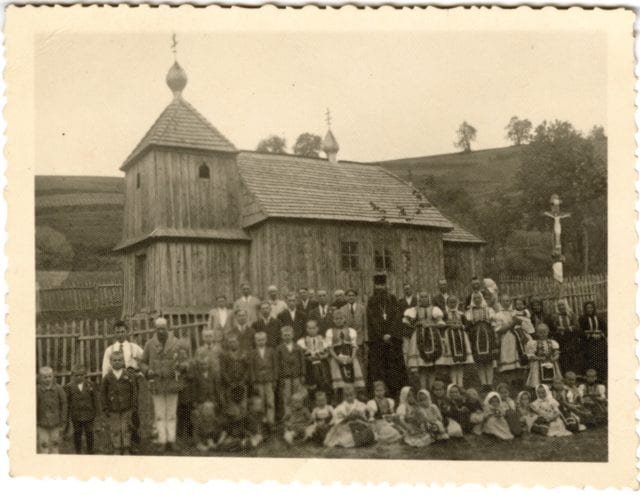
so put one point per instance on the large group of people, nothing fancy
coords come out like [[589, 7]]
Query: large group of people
[[341, 373]]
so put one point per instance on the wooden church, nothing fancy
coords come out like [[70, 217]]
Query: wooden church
[[201, 217]]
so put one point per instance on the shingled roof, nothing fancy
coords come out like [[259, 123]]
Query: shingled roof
[[458, 234], [181, 125], [288, 186]]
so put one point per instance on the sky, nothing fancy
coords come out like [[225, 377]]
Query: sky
[[391, 95]]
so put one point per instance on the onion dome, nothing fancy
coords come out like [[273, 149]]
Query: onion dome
[[330, 144], [176, 79]]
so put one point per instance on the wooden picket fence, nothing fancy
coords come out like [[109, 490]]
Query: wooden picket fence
[[577, 290], [79, 298], [67, 344]]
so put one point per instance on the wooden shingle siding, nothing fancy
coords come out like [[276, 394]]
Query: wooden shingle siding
[[468, 260], [185, 275], [172, 195], [293, 254]]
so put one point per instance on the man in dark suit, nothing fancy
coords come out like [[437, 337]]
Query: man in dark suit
[[440, 299], [267, 324], [322, 312], [408, 300], [305, 303], [293, 317]]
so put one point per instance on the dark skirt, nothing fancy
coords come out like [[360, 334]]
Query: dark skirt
[[484, 345]]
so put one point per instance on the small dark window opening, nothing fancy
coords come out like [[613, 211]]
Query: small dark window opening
[[140, 282], [450, 266], [349, 256], [203, 171], [138, 180], [382, 260]]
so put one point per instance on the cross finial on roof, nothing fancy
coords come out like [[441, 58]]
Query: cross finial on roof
[[174, 46], [328, 118]]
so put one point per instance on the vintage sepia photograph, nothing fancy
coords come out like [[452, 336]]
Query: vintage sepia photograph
[[259, 243]]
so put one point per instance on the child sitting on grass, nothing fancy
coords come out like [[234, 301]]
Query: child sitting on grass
[[297, 420], [381, 412], [350, 426], [256, 422], [207, 431], [494, 423], [322, 416]]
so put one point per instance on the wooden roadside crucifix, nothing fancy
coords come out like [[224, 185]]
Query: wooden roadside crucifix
[[556, 255]]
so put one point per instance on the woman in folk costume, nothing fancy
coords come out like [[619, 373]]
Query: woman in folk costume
[[569, 336], [480, 319], [547, 408], [425, 345], [344, 365], [411, 422], [381, 410], [490, 293], [512, 358], [350, 425], [594, 328], [458, 343], [538, 314], [494, 423], [543, 354]]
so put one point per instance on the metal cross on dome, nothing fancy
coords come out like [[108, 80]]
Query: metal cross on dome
[[174, 45], [328, 118]]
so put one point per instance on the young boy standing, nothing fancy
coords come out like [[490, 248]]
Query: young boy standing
[[51, 412], [263, 374], [119, 399], [84, 405], [290, 368], [234, 367]]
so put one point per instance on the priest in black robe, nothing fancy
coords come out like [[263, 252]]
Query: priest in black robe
[[386, 362]]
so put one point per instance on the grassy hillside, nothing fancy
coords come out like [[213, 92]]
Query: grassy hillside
[[479, 173], [87, 211]]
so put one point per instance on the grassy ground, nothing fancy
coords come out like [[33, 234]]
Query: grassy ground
[[588, 446]]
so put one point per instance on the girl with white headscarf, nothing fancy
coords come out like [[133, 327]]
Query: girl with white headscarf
[[411, 422], [494, 423], [547, 408]]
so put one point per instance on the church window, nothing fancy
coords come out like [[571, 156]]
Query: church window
[[203, 171], [349, 256], [382, 260]]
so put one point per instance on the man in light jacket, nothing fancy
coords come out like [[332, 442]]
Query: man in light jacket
[[164, 370], [247, 302]]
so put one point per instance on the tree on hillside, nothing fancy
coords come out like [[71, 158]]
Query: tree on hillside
[[308, 144], [466, 133], [560, 160], [519, 130], [53, 250], [272, 144], [597, 132]]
